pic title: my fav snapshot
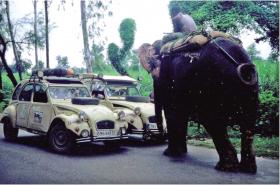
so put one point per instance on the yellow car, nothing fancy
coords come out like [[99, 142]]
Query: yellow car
[[62, 109], [122, 93]]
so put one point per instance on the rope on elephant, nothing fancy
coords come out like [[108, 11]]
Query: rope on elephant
[[181, 42]]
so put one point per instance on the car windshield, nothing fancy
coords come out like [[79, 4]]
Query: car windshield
[[63, 92], [118, 90]]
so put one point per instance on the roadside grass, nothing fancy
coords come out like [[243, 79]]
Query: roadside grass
[[263, 146]]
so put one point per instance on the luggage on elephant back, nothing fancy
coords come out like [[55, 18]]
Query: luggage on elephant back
[[180, 42]]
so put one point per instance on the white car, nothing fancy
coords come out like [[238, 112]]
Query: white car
[[122, 93]]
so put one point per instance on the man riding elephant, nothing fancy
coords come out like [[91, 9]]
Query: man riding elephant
[[209, 76]]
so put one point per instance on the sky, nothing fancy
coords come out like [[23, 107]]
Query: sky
[[151, 17]]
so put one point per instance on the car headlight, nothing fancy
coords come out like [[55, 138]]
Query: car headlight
[[123, 130], [83, 116], [85, 133], [121, 115], [137, 111]]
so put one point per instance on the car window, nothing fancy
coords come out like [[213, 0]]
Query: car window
[[40, 94], [16, 92], [97, 85], [121, 90], [26, 93], [61, 92]]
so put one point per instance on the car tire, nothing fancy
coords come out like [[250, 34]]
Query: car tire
[[60, 139], [112, 144], [10, 133]]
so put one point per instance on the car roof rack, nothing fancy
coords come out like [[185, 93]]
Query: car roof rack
[[56, 72]]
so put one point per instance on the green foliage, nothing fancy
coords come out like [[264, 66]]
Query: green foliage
[[78, 70], [268, 72], [95, 12], [253, 52], [40, 64], [26, 65], [268, 147], [268, 118], [146, 82], [117, 55], [127, 33], [233, 16], [264, 147], [273, 56], [196, 131], [133, 61], [97, 53], [62, 62]]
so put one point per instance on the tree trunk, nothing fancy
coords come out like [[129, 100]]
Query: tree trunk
[[87, 56], [18, 62], [35, 35], [3, 46], [47, 34], [1, 81]]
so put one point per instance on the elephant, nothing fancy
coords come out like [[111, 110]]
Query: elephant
[[215, 84]]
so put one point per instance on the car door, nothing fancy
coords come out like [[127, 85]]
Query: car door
[[23, 107], [40, 111]]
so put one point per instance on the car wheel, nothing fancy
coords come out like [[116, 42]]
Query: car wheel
[[113, 144], [10, 133], [61, 139]]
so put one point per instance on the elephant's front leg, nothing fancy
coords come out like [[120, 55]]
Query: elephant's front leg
[[227, 153], [248, 159], [177, 129]]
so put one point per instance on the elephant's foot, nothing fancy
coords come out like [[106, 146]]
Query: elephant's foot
[[248, 166], [175, 152], [227, 166]]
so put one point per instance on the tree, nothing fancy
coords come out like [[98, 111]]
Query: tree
[[3, 49], [18, 62], [87, 56], [78, 70], [234, 16], [39, 67], [253, 52], [273, 56], [35, 34], [93, 12], [117, 55], [132, 60], [47, 33], [62, 62], [97, 54]]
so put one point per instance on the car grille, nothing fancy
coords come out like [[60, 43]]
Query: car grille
[[152, 119], [107, 124]]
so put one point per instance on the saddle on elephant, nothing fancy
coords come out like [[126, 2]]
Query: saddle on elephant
[[180, 42]]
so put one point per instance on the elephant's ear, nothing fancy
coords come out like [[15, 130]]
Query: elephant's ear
[[145, 53]]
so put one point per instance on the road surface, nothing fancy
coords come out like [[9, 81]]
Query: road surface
[[30, 161]]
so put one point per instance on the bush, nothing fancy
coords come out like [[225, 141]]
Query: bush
[[268, 116], [268, 72]]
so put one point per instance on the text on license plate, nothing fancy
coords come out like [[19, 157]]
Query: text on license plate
[[106, 133], [152, 125]]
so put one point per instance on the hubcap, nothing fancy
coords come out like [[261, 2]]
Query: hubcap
[[60, 138]]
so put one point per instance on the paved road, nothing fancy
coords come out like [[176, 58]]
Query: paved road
[[29, 161]]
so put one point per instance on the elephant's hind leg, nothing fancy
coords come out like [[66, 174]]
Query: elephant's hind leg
[[248, 159], [227, 153]]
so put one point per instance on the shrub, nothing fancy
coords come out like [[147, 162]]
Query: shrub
[[268, 115]]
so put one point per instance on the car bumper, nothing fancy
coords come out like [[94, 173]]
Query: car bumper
[[143, 134], [94, 139]]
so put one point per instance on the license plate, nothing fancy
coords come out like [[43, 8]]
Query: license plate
[[106, 133], [152, 125]]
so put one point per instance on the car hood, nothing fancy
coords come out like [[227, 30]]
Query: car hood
[[147, 109], [94, 112]]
